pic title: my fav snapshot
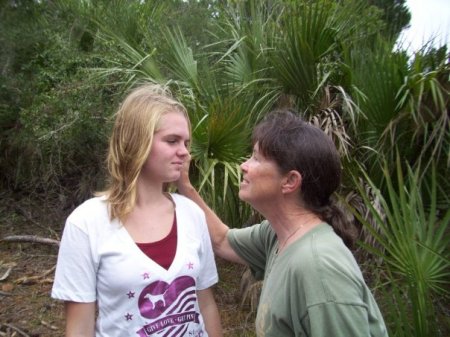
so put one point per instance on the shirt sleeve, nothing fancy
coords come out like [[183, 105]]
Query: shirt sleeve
[[253, 244], [339, 320], [75, 275]]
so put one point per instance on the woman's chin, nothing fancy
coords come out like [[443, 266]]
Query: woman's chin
[[242, 195]]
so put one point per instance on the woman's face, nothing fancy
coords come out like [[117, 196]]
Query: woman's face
[[261, 179], [169, 149]]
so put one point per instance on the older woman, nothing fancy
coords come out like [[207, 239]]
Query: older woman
[[312, 283]]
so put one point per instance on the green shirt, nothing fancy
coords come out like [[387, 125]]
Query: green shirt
[[313, 288]]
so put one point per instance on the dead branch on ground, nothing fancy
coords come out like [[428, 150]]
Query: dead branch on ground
[[6, 274], [35, 279], [30, 238], [48, 325], [9, 326]]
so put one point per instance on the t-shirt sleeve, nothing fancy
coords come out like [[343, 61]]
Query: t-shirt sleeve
[[338, 319], [253, 244], [75, 275]]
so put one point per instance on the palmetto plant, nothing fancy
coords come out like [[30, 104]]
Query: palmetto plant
[[427, 96], [376, 79], [404, 102], [414, 249], [221, 140], [300, 54]]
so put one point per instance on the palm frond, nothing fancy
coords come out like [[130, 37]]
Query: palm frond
[[414, 245], [299, 55], [180, 60]]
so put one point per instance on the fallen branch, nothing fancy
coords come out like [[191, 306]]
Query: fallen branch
[[29, 217], [13, 327], [28, 280], [49, 271], [30, 238], [6, 274], [4, 293], [35, 279], [48, 325]]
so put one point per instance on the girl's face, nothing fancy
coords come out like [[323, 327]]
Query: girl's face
[[169, 149]]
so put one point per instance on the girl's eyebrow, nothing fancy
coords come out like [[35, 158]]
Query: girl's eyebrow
[[176, 136], [173, 135]]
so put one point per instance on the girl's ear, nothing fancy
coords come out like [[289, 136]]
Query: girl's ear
[[291, 182]]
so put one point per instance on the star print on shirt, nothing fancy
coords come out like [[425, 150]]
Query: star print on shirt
[[190, 265], [146, 276], [130, 294], [129, 317]]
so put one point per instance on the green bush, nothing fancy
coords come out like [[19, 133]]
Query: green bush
[[53, 117]]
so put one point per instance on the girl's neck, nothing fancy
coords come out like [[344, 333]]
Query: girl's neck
[[149, 193]]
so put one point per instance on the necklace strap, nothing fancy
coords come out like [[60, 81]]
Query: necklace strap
[[289, 236]]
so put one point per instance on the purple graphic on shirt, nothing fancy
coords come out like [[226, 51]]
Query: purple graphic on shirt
[[171, 307]]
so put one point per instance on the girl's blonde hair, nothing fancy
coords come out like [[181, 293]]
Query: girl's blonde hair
[[136, 121]]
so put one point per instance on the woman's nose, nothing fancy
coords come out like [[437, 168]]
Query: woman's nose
[[244, 166]]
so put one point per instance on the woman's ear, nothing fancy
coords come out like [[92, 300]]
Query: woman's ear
[[291, 182]]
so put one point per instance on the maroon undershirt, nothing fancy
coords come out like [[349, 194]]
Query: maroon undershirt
[[162, 251]]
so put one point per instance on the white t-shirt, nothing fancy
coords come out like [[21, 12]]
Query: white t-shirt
[[99, 261]]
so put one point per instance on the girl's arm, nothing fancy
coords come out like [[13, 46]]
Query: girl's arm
[[80, 319], [210, 313]]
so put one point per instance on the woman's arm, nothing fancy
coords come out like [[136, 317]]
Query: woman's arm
[[80, 319], [210, 313], [217, 229]]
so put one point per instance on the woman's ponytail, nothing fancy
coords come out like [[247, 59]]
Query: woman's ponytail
[[332, 214]]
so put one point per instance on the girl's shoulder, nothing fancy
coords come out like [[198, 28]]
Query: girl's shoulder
[[184, 204], [92, 213], [96, 206]]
